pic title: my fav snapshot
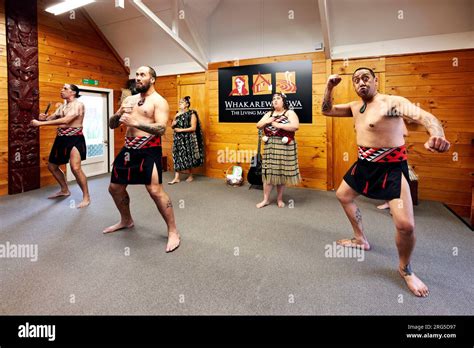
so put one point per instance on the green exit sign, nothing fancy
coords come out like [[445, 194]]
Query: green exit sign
[[90, 82]]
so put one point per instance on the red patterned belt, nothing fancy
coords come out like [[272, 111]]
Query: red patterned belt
[[70, 131], [143, 142], [383, 154]]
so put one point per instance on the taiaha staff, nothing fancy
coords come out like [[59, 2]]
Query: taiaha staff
[[47, 108]]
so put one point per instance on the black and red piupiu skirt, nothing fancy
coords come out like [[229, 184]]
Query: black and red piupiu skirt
[[378, 172], [66, 140], [135, 162]]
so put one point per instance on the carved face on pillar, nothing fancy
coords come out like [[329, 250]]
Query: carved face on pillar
[[23, 95], [24, 33], [26, 148], [23, 62], [23, 67]]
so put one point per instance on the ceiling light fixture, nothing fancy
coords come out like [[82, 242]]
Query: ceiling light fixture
[[66, 6]]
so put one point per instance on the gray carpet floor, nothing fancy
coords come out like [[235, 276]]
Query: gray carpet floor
[[234, 259]]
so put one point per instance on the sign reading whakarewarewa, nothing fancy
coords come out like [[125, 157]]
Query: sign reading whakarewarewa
[[245, 92]]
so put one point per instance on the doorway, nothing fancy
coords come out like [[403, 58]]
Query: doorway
[[98, 103]]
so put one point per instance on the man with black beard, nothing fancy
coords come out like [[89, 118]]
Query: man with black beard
[[139, 162]]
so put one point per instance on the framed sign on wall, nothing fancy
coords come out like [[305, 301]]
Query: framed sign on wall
[[245, 92]]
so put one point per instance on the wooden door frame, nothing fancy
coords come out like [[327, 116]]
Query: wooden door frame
[[110, 109]]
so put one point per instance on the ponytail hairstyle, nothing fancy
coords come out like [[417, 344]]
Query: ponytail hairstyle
[[76, 89], [187, 100]]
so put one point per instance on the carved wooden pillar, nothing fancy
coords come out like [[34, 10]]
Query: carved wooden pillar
[[23, 95]]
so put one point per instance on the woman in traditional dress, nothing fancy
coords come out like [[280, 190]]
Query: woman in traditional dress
[[280, 155], [188, 145]]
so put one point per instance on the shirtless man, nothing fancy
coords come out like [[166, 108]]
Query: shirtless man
[[381, 171], [69, 145], [139, 163]]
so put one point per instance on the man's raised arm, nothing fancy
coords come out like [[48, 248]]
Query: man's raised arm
[[328, 109]]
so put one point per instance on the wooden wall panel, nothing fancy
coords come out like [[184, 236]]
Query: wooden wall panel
[[443, 84], [69, 51], [3, 104]]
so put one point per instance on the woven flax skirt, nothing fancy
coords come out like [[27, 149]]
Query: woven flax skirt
[[280, 163]]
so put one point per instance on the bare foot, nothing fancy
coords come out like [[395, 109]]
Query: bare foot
[[383, 206], [173, 182], [60, 194], [416, 286], [262, 204], [173, 242], [190, 178], [118, 226], [354, 243], [281, 204], [85, 202]]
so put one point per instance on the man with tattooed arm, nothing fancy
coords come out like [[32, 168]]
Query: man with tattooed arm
[[381, 171], [139, 162]]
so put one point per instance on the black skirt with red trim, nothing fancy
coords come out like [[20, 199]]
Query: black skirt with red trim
[[62, 147], [377, 180], [135, 166]]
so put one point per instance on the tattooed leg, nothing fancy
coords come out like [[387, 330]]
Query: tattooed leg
[[122, 201], [346, 196], [163, 203], [407, 271], [165, 207], [358, 218], [403, 218]]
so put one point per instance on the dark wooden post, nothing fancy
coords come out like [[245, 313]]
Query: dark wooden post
[[23, 95]]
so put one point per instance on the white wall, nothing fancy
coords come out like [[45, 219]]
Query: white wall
[[197, 14], [363, 21], [259, 28], [433, 43]]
